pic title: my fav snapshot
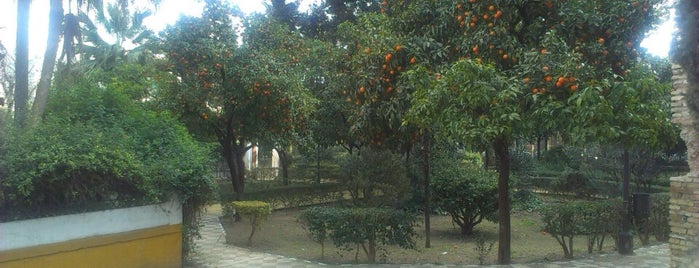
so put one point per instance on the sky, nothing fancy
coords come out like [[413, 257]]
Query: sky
[[168, 12]]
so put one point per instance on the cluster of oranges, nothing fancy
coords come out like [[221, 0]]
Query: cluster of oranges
[[561, 82], [470, 15], [488, 16], [391, 66]]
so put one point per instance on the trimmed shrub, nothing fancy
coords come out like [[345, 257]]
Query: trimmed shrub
[[255, 211], [368, 228], [316, 221], [596, 223], [562, 222], [376, 178], [466, 192], [594, 219]]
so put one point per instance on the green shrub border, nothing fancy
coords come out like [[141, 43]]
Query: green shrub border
[[292, 195], [368, 228]]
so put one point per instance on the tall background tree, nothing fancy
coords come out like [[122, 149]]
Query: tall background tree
[[21, 92], [49, 63], [67, 27]]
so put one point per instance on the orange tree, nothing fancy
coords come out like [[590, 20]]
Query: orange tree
[[520, 65], [236, 94]]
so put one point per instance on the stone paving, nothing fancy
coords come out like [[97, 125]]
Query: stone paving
[[213, 252]]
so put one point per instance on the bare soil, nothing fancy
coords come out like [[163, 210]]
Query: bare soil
[[283, 235]]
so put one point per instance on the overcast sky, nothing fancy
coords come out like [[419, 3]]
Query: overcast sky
[[658, 43]]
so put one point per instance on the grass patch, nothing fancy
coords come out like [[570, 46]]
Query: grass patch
[[283, 235]]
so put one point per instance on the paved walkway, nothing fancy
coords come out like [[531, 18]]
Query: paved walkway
[[213, 252]]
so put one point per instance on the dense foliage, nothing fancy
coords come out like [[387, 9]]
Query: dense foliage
[[100, 147], [368, 228], [371, 76]]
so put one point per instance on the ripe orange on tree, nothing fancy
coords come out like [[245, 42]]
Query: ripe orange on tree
[[388, 57], [498, 14]]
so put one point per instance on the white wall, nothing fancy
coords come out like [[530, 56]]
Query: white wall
[[33, 232]]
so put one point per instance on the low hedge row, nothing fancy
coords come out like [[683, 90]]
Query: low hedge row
[[292, 195]]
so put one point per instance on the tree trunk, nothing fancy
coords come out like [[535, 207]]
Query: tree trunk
[[625, 236], [466, 229], [502, 154], [22, 63], [227, 153], [54, 34], [426, 187], [233, 154], [239, 153], [284, 163], [538, 146]]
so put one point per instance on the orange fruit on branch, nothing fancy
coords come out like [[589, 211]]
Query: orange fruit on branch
[[388, 57], [498, 14]]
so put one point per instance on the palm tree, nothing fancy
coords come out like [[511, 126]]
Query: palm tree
[[67, 25], [123, 27]]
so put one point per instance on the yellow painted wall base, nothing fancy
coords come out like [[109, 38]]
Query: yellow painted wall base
[[153, 247]]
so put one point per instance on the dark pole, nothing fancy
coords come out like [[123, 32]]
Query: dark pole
[[625, 237]]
